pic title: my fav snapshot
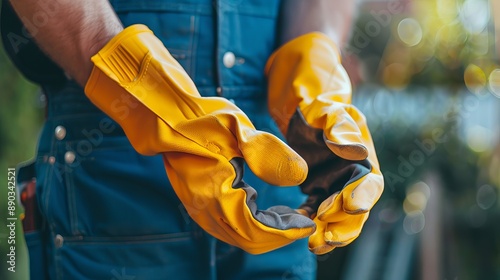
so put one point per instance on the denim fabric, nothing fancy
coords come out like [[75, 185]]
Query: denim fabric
[[111, 213]]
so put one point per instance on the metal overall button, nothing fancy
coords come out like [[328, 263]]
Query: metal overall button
[[69, 157], [229, 59], [58, 241], [60, 132]]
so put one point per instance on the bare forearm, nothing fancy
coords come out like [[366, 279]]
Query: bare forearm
[[69, 31], [332, 17]]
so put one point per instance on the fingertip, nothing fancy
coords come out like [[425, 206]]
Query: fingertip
[[274, 161], [291, 171], [363, 197], [330, 205], [356, 211], [349, 150], [321, 250]]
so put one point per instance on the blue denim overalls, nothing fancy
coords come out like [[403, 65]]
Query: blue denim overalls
[[111, 213]]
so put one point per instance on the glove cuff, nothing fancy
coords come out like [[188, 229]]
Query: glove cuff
[[121, 58], [300, 71], [302, 45]]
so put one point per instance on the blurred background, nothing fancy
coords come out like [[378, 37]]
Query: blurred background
[[426, 74]]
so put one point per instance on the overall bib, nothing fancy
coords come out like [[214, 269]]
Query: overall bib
[[111, 213]]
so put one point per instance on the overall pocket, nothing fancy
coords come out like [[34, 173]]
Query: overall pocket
[[169, 256], [111, 190]]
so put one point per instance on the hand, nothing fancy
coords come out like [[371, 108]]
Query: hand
[[343, 183], [310, 95], [204, 142]]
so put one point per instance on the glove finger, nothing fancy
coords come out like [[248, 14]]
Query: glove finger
[[231, 134], [361, 195], [332, 209], [317, 243], [271, 159], [328, 236], [338, 130], [342, 233], [343, 135], [330, 206], [357, 197]]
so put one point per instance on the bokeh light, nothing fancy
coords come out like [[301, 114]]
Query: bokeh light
[[486, 197], [410, 32], [389, 215], [414, 222], [479, 138], [416, 198], [494, 82], [441, 38], [447, 10], [450, 36], [474, 16], [474, 78]]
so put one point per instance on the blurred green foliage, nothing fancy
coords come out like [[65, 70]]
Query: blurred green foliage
[[21, 115]]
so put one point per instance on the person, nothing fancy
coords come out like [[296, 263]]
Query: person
[[182, 87]]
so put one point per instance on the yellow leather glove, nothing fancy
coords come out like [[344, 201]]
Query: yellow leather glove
[[309, 97], [204, 142]]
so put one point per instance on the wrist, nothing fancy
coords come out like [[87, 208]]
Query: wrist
[[98, 41]]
